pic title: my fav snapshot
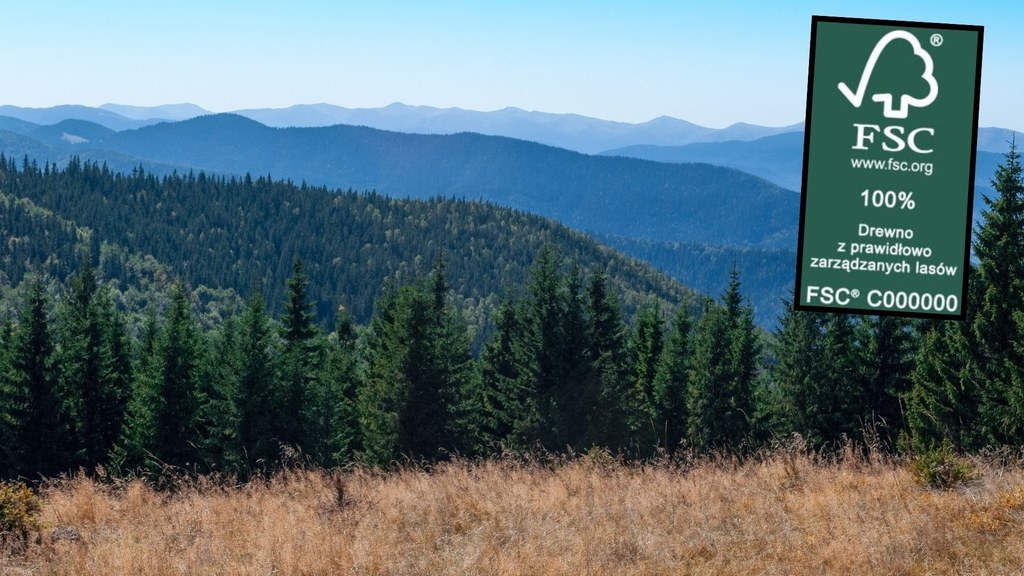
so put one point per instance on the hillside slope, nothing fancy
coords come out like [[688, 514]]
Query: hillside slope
[[241, 233], [621, 196]]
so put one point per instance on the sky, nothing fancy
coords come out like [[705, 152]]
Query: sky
[[712, 63]]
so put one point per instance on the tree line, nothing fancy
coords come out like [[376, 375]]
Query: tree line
[[563, 369]]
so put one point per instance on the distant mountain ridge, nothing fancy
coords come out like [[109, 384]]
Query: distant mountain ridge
[[622, 196], [779, 158], [570, 131]]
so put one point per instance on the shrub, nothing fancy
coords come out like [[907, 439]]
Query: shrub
[[941, 468], [18, 510]]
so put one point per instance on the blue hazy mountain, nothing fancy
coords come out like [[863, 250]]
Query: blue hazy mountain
[[777, 158], [621, 196], [55, 114], [60, 142], [71, 134], [165, 112], [571, 131]]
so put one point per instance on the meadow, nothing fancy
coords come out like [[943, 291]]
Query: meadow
[[786, 512]]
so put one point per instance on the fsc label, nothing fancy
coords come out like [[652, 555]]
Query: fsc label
[[888, 178]]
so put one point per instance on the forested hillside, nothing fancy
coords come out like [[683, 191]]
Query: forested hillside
[[243, 234], [768, 274]]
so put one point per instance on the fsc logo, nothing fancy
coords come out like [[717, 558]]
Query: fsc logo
[[888, 181]]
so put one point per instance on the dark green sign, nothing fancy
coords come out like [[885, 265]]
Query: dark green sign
[[888, 182]]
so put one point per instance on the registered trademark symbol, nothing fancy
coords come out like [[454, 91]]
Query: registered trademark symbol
[[936, 40], [855, 293]]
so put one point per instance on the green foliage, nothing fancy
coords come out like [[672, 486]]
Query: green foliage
[[1000, 272], [886, 366], [230, 233], [95, 361], [724, 365], [799, 378], [19, 512], [767, 272], [333, 410], [672, 382], [163, 423], [646, 350], [301, 356], [942, 404], [255, 404], [508, 402], [566, 365], [421, 374], [608, 402], [217, 418], [941, 468], [35, 414]]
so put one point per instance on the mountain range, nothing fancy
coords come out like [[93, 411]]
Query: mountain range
[[608, 195], [570, 131], [779, 158], [689, 208]]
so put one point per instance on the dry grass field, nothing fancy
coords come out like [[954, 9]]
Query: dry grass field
[[787, 514]]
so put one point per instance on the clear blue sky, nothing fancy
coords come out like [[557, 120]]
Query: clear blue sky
[[713, 63]]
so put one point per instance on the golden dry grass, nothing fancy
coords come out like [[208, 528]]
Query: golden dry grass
[[785, 514]]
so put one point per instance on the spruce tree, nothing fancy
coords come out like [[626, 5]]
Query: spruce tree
[[9, 404], [799, 379], [129, 453], [999, 360], [547, 314], [842, 405], [886, 366], [508, 400], [942, 406], [333, 412], [645, 349], [116, 374], [300, 361], [421, 373], [255, 399], [95, 360], [217, 414], [79, 358], [672, 382], [585, 364], [725, 361], [179, 371], [40, 441], [385, 390], [439, 371]]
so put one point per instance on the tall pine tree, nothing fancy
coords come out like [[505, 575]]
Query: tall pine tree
[[999, 362], [40, 441], [255, 400], [508, 400], [421, 373], [672, 381], [175, 438], [886, 366], [725, 360], [332, 412], [301, 357]]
